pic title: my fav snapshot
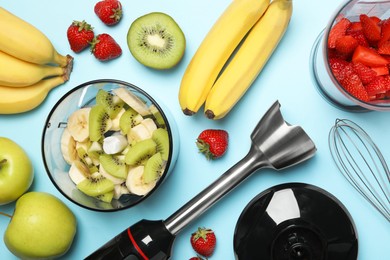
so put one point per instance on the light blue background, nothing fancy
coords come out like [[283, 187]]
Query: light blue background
[[285, 78]]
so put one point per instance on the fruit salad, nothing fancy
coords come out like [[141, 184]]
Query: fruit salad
[[118, 146], [359, 57]]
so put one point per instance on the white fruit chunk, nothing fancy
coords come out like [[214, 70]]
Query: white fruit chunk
[[114, 144], [78, 172], [149, 124], [115, 121], [138, 133], [135, 183], [68, 147], [120, 190]]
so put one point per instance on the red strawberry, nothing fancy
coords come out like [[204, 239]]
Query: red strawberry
[[366, 74], [359, 36], [213, 143], [197, 258], [203, 241], [371, 29], [346, 45], [385, 31], [79, 34], [368, 57], [380, 85], [338, 67], [109, 11], [354, 86], [384, 48], [383, 70], [355, 26], [339, 29], [105, 48]]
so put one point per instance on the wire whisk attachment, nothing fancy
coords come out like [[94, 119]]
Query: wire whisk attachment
[[362, 163]]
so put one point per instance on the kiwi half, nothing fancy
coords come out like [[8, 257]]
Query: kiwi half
[[154, 168], [156, 41], [113, 165], [99, 122], [160, 137], [140, 152], [95, 186]]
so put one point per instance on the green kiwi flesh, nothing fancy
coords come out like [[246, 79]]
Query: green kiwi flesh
[[154, 168], [129, 119], [95, 186], [160, 137], [156, 40], [111, 103], [113, 165], [98, 122], [140, 152]]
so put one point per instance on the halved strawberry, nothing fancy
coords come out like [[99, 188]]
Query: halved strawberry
[[379, 85], [337, 66], [354, 26], [384, 48], [383, 70], [385, 31], [354, 86], [359, 36], [346, 45], [365, 73], [371, 28], [338, 30], [368, 57]]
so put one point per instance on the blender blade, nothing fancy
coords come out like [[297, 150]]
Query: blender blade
[[275, 144]]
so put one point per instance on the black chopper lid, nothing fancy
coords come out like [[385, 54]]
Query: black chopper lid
[[295, 221]]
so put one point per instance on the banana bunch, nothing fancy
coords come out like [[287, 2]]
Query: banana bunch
[[217, 77], [30, 65]]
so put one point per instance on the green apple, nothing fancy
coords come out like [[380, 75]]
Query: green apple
[[42, 227], [16, 171]]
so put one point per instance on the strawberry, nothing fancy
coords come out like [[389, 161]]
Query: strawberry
[[105, 48], [368, 57], [359, 36], [109, 11], [354, 86], [366, 74], [338, 67], [213, 143], [385, 31], [354, 26], [371, 28], [203, 241], [384, 48], [197, 258], [79, 34], [346, 45], [339, 29], [383, 70], [380, 85]]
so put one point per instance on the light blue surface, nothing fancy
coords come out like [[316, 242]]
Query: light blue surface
[[285, 78]]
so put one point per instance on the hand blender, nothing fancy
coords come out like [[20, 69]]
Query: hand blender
[[275, 144]]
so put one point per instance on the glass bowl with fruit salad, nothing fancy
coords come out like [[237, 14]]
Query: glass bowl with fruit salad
[[108, 145], [350, 59]]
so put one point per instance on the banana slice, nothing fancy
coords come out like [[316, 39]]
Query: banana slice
[[115, 121], [119, 190], [68, 147], [132, 100], [78, 124], [78, 172], [149, 124], [138, 133], [135, 183], [114, 179]]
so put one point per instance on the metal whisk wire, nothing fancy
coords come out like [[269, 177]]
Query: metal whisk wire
[[362, 163]]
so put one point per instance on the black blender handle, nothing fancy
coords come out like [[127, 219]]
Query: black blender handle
[[145, 240]]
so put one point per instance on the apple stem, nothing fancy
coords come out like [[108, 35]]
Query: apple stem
[[5, 214]]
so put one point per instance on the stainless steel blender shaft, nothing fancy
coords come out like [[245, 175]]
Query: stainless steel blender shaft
[[275, 144]]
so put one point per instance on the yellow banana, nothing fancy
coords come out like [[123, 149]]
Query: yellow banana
[[18, 73], [249, 60], [24, 41], [214, 51], [19, 100]]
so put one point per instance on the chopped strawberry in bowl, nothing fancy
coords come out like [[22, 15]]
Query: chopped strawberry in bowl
[[356, 58]]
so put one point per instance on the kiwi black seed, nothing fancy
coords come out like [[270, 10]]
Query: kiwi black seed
[[112, 103], [98, 122], [156, 41]]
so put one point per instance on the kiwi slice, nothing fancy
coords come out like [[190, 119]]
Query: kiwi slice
[[154, 168], [84, 157], [99, 122], [160, 137], [157, 116], [140, 152], [129, 119], [95, 185], [112, 103], [113, 165], [95, 150], [106, 197], [156, 40]]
